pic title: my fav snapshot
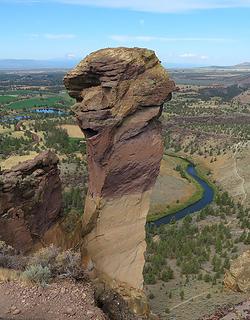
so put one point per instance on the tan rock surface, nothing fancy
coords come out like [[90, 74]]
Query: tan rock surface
[[238, 277], [120, 95]]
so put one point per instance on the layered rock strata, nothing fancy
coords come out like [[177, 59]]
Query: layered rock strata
[[120, 95], [30, 200]]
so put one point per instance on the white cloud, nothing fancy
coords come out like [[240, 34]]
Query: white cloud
[[160, 5], [53, 36], [70, 56], [189, 55], [204, 57], [127, 38]]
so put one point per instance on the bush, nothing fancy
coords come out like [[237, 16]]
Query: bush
[[6, 249], [45, 257], [167, 274], [149, 278], [12, 262], [9, 258], [151, 296], [64, 263], [69, 263], [37, 274]]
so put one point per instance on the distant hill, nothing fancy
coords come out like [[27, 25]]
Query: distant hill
[[32, 64], [27, 64], [244, 65]]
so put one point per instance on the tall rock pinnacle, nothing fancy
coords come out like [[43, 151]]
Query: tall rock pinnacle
[[120, 93]]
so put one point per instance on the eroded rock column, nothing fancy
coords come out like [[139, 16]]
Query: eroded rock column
[[120, 94]]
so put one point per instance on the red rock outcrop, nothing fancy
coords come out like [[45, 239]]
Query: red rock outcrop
[[30, 200], [120, 95]]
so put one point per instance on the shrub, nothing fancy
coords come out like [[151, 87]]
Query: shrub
[[151, 296], [182, 295], [12, 262], [64, 263], [167, 274], [207, 278], [68, 263], [37, 274], [6, 249], [149, 278], [45, 257]]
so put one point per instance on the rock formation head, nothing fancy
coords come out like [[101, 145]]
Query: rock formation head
[[111, 84], [116, 89], [30, 200], [120, 94]]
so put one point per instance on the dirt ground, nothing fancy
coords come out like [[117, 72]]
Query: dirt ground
[[61, 300], [200, 299], [73, 130]]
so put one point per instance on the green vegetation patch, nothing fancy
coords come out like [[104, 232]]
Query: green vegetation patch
[[7, 99], [39, 102]]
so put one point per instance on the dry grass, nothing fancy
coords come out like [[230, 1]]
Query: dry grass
[[17, 134], [73, 130], [9, 275], [15, 160], [6, 130]]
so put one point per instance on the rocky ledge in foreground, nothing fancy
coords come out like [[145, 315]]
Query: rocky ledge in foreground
[[61, 300], [120, 95], [30, 200]]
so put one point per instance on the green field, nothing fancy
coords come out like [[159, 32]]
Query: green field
[[56, 101], [7, 99]]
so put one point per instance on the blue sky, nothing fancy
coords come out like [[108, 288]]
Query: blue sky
[[181, 31]]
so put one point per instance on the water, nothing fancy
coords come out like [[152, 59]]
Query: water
[[49, 111], [206, 199], [40, 110], [13, 119]]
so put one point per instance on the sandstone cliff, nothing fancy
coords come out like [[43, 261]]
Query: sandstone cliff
[[237, 278], [30, 200], [120, 94]]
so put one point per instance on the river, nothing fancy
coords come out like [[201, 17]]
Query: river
[[207, 198]]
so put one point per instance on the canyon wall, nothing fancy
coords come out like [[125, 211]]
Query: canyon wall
[[30, 200], [120, 95]]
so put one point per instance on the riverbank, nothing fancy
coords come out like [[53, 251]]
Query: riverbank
[[183, 167]]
